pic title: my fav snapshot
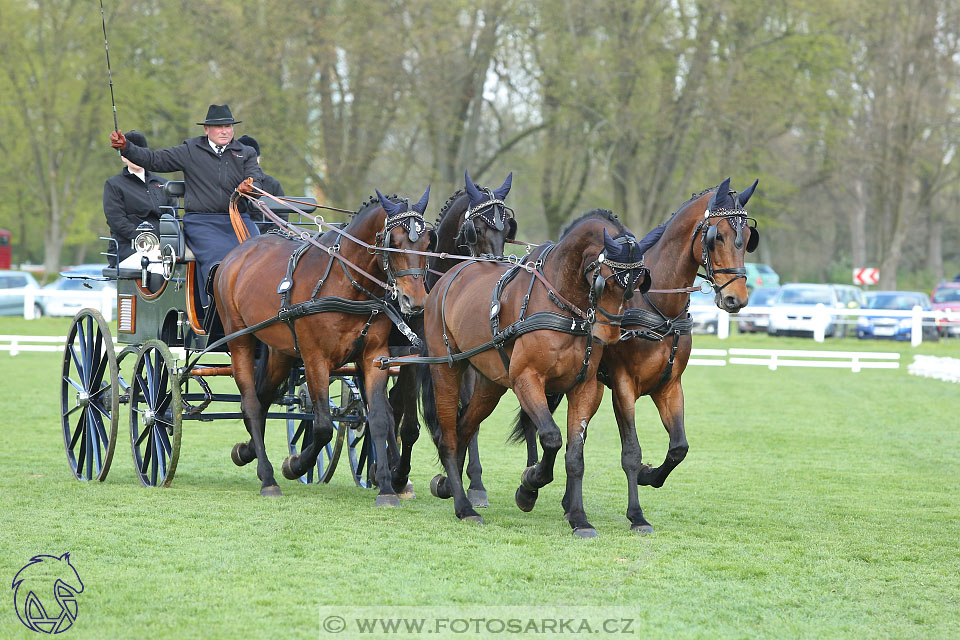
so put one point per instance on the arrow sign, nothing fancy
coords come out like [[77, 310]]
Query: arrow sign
[[866, 276]]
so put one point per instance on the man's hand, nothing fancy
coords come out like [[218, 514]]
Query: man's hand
[[118, 140], [246, 187]]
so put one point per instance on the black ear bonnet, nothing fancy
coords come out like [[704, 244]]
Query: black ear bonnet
[[402, 214], [727, 203]]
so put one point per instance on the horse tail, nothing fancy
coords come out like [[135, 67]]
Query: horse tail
[[523, 424], [260, 367], [428, 401]]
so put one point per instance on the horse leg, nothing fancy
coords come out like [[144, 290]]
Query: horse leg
[[477, 493], [486, 395], [318, 384], [582, 404], [242, 360], [529, 390], [403, 400], [669, 401], [624, 409], [272, 369], [382, 430]]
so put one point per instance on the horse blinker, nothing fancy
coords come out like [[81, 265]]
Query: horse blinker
[[754, 240]]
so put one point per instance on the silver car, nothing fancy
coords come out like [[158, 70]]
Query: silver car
[[14, 286], [795, 310]]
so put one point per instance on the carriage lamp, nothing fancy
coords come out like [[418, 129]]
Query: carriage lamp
[[146, 239]]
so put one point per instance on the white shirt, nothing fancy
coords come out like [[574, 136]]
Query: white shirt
[[140, 174], [214, 146]]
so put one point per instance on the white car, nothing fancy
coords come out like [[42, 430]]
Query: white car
[[797, 310], [78, 288], [704, 311]]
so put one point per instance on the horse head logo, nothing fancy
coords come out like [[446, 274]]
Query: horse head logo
[[45, 593]]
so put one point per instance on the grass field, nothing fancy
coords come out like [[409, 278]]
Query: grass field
[[813, 503]]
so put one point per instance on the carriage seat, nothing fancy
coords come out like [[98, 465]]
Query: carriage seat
[[171, 232]]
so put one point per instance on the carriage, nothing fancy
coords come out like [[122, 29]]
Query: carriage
[[162, 328]]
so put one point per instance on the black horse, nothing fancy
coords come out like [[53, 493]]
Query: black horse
[[473, 221]]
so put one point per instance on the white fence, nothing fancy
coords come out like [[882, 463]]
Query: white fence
[[823, 315]]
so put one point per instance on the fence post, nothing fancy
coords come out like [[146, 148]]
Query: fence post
[[28, 300], [723, 324], [916, 326], [820, 320]]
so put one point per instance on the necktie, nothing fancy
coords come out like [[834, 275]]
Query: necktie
[[219, 150]]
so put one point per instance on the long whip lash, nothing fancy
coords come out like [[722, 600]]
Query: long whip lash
[[106, 48]]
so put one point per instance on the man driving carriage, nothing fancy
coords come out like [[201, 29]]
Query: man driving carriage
[[213, 166]]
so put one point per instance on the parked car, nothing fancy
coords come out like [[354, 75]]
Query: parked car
[[13, 288], [794, 311], [895, 327], [704, 311], [756, 315], [946, 300], [76, 289], [760, 276], [850, 297]]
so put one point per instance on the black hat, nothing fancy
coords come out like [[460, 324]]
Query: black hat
[[136, 138], [219, 114], [250, 142]]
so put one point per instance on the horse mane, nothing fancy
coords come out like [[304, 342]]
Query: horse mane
[[446, 206], [595, 214]]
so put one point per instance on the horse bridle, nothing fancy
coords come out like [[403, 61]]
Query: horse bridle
[[621, 273], [501, 217], [414, 224], [739, 221]]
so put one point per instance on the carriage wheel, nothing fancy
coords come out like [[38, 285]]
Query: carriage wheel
[[155, 415], [359, 444], [89, 396], [300, 433]]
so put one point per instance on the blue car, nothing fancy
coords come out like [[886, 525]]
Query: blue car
[[894, 327]]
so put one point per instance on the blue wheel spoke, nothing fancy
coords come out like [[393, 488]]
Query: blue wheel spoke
[[76, 433], [76, 360], [70, 411], [145, 462], [143, 434], [149, 380], [88, 352], [94, 444], [164, 439], [74, 384], [81, 456], [298, 434], [98, 424], [153, 467], [161, 455]]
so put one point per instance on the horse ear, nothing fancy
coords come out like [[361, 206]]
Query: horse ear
[[472, 190], [610, 246], [719, 196], [66, 556], [501, 193], [746, 193], [390, 207], [421, 206]]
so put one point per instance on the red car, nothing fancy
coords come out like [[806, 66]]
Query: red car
[[946, 300]]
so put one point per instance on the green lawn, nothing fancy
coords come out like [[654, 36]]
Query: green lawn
[[813, 503]]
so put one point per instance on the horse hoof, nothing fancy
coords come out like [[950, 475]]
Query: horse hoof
[[435, 487], [407, 493], [526, 478], [287, 467], [388, 500], [474, 519], [526, 499], [478, 498], [272, 491], [585, 532], [236, 457], [641, 528]]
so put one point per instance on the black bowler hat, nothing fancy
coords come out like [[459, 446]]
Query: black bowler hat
[[219, 114], [136, 138], [250, 141]]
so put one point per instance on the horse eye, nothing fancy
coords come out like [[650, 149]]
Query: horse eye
[[720, 237]]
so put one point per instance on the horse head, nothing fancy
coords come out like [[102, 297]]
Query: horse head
[[726, 234], [405, 230], [487, 222]]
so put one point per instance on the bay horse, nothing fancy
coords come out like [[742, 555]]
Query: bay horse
[[710, 232], [473, 221], [348, 285], [545, 352]]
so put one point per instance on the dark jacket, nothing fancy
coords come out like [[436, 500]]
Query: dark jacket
[[209, 180], [272, 186], [127, 202]]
